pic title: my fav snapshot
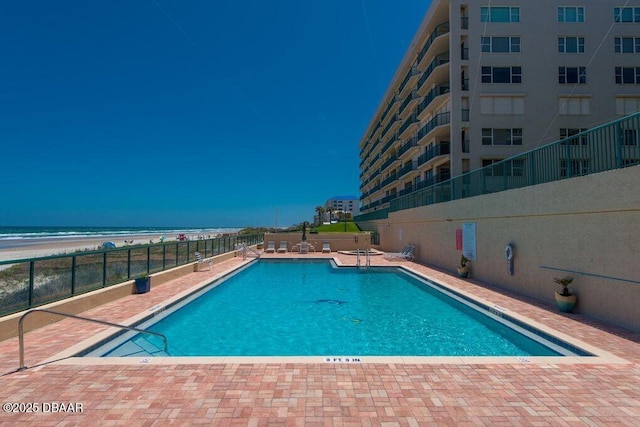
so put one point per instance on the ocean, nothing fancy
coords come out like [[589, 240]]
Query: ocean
[[15, 237]]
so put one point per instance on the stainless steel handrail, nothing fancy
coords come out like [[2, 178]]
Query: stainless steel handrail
[[73, 316]]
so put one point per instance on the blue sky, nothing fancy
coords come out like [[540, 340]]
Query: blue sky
[[189, 113]]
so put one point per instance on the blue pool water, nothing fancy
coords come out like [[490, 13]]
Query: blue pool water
[[311, 308]]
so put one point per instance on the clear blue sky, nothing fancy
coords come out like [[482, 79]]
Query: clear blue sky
[[189, 113]]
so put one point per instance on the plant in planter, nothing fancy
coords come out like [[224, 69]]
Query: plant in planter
[[463, 269], [565, 300], [143, 283]]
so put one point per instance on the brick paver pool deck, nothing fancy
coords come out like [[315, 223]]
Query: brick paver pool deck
[[452, 391]]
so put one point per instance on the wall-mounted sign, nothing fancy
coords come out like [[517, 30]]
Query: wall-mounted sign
[[469, 240]]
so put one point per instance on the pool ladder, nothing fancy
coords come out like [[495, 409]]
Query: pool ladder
[[367, 260], [73, 316]]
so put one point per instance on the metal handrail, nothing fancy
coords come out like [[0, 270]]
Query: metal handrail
[[73, 316]]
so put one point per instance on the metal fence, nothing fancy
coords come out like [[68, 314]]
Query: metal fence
[[611, 146], [28, 283]]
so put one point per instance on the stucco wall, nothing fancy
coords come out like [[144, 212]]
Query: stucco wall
[[589, 226]]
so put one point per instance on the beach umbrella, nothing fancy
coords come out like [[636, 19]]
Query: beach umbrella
[[304, 231], [108, 245]]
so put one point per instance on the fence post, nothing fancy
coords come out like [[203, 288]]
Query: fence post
[[31, 273], [73, 276]]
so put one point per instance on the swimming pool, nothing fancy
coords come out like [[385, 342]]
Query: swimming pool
[[276, 307]]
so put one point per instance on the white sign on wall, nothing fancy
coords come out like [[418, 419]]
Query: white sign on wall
[[469, 240]]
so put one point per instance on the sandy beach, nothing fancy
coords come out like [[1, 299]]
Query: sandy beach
[[21, 249]]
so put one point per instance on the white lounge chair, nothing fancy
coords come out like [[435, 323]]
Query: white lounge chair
[[406, 253], [202, 261], [271, 247], [283, 247], [326, 247]]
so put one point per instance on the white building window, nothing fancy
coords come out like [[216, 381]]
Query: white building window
[[627, 105], [509, 168], [570, 14], [626, 44], [570, 44], [627, 75], [574, 105], [509, 105], [491, 136], [501, 74], [572, 75], [499, 14], [569, 132], [626, 14], [500, 44]]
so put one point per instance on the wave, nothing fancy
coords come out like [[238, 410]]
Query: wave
[[31, 233]]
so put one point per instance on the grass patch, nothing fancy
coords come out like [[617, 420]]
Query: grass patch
[[337, 228]]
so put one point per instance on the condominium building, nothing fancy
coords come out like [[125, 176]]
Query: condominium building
[[483, 81], [343, 204]]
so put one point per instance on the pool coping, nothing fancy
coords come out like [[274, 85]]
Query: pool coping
[[68, 356]]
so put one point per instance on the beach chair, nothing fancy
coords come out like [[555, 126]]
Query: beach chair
[[283, 247], [406, 253], [326, 247], [271, 247], [202, 261]]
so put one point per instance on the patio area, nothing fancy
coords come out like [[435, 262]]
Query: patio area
[[298, 393]]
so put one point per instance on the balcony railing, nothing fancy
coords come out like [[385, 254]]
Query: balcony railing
[[464, 23], [388, 180], [394, 119], [410, 97], [408, 122], [464, 84], [389, 161], [439, 149], [412, 72], [464, 53], [406, 169], [433, 94], [443, 58], [437, 120], [440, 30], [412, 142]]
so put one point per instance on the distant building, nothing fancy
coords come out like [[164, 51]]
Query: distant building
[[346, 204]]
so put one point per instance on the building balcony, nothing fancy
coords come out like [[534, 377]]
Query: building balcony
[[464, 53], [431, 96], [389, 161], [413, 72], [438, 120], [438, 31], [406, 169], [439, 60], [411, 120], [393, 121], [412, 142], [413, 95], [388, 180], [440, 149], [390, 104], [464, 23]]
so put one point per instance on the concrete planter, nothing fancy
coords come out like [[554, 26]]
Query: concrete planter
[[565, 303]]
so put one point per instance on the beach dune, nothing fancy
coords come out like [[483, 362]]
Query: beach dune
[[22, 249]]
